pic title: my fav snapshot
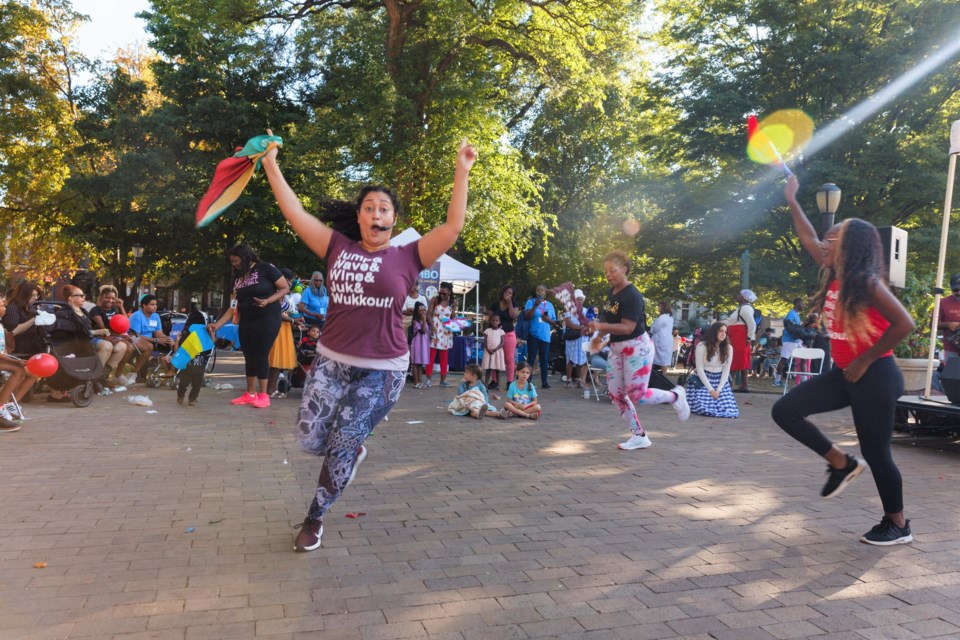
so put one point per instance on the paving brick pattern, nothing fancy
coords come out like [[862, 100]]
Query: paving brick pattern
[[473, 530]]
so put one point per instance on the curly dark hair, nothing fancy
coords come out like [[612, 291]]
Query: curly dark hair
[[859, 267], [712, 345], [247, 257], [342, 215]]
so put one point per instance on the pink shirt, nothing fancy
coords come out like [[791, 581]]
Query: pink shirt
[[367, 291]]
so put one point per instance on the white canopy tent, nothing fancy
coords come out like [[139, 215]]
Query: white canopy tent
[[463, 277]]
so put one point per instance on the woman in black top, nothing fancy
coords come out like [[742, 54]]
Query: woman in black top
[[631, 352], [258, 288], [508, 311], [20, 317]]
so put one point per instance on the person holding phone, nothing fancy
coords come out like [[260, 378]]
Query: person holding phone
[[543, 318]]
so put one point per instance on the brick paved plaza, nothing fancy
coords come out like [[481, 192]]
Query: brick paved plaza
[[177, 525]]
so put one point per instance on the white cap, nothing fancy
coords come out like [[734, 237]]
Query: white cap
[[578, 295]]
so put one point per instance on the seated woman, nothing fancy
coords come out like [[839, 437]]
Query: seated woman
[[114, 350], [18, 384], [20, 317], [75, 298], [709, 392]]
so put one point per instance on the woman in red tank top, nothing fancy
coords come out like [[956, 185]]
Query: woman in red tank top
[[865, 322]]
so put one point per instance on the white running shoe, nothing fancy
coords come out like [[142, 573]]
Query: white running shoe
[[635, 442], [361, 456], [6, 415], [680, 404]]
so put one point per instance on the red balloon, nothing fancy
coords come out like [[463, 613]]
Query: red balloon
[[120, 323], [42, 365]]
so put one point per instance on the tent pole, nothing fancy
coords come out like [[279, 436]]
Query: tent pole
[[476, 329], [944, 232]]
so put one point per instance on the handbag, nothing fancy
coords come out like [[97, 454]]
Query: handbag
[[695, 381], [571, 333]]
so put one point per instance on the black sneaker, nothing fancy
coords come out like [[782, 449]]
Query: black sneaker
[[180, 398], [886, 533], [309, 537], [840, 478]]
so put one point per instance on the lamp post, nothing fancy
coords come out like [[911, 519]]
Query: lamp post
[[137, 254], [828, 201]]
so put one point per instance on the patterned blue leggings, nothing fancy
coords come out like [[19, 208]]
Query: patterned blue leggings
[[341, 406]]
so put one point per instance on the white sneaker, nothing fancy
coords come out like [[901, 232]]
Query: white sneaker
[[680, 404], [635, 442], [6, 415], [361, 456]]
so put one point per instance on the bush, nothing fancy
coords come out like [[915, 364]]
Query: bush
[[917, 298]]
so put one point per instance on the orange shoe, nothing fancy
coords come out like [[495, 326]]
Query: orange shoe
[[244, 399]]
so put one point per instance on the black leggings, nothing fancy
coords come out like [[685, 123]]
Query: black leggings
[[872, 399], [256, 339]]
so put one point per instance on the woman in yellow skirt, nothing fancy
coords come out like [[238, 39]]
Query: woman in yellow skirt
[[283, 354]]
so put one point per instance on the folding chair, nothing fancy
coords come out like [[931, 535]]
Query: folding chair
[[593, 372], [803, 354]]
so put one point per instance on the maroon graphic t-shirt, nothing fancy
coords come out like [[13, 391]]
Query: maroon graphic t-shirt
[[367, 290]]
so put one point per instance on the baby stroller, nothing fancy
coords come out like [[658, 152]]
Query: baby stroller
[[298, 376], [687, 356], [68, 341]]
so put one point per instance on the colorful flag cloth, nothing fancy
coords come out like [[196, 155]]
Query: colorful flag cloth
[[565, 294], [231, 176], [762, 148], [196, 343]]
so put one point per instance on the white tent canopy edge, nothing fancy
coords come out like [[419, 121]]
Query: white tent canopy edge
[[463, 277]]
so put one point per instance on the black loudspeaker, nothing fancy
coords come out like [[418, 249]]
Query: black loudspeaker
[[950, 377], [894, 242]]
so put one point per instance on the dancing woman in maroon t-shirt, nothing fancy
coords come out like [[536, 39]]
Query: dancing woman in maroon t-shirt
[[355, 382], [865, 322]]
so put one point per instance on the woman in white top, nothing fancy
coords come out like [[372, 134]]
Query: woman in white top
[[661, 331], [709, 393]]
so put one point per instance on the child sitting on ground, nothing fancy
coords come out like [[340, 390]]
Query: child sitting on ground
[[472, 396], [521, 396]]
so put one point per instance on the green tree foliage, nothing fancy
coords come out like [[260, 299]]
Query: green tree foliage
[[394, 85], [37, 114], [728, 59]]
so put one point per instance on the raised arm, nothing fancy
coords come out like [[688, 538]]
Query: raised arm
[[441, 238], [311, 230], [805, 231]]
